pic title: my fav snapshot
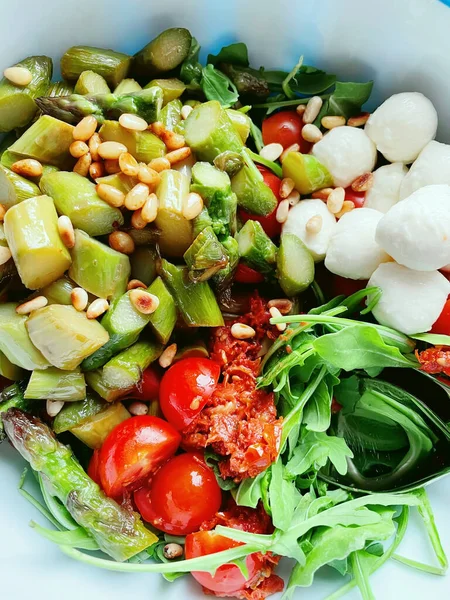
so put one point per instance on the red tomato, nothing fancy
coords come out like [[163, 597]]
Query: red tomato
[[285, 128], [346, 287], [185, 389], [134, 449], [244, 274], [148, 388], [269, 223], [181, 496], [228, 578], [93, 467], [442, 325], [356, 197]]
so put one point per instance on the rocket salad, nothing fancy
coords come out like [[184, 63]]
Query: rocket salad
[[224, 325]]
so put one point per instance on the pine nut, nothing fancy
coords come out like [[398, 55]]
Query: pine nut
[[166, 358], [111, 150], [282, 304], [128, 164], [289, 149], [332, 122], [192, 206], [111, 166], [282, 211], [79, 298], [97, 308], [66, 231], [271, 151], [286, 187], [177, 156], [5, 254], [28, 167], [314, 224], [83, 165], [110, 194], [158, 128], [137, 222], [53, 407], [335, 200], [363, 183], [159, 164], [78, 148], [293, 198], [300, 110], [240, 331], [312, 109], [149, 211], [96, 170], [121, 242], [138, 409], [274, 313], [148, 176], [358, 121], [143, 301], [85, 129], [173, 141], [134, 284], [346, 207], [194, 405], [186, 111], [311, 133], [137, 196], [34, 304], [322, 194], [94, 142], [2, 213], [132, 122], [18, 75], [173, 550]]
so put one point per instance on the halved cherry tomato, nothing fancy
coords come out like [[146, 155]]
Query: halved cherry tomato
[[181, 496], [148, 388], [185, 389], [442, 325], [228, 578], [356, 197], [269, 223], [346, 287], [134, 449], [244, 274], [285, 128], [93, 467]]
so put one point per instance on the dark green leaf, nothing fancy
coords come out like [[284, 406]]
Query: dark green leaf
[[314, 451], [317, 412], [191, 69], [346, 100], [436, 339], [307, 81], [218, 86], [235, 54], [283, 497], [212, 460], [288, 92], [249, 492]]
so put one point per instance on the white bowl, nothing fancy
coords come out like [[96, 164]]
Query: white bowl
[[403, 45]]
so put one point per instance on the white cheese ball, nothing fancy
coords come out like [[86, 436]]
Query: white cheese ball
[[432, 166], [402, 126], [300, 214], [385, 191], [411, 301], [353, 251], [347, 153], [416, 231]]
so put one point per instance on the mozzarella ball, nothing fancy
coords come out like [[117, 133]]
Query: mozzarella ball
[[298, 217], [411, 301], [432, 166], [353, 251], [402, 126], [385, 191], [416, 231], [347, 153]]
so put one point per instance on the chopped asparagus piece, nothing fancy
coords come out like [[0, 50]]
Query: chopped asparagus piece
[[90, 82], [118, 531], [171, 115], [14, 188], [31, 229], [120, 181], [175, 231], [17, 106], [196, 301], [94, 431], [96, 381], [74, 414], [223, 278], [15, 342], [127, 86], [59, 88], [9, 370], [253, 195], [205, 256], [295, 265], [110, 279], [256, 247], [241, 123], [202, 221], [197, 350], [143, 145], [7, 141], [65, 336], [162, 54], [143, 237], [59, 291], [307, 172], [230, 162], [163, 320], [124, 371], [113, 66], [53, 384], [249, 82], [116, 343], [209, 131], [144, 264], [12, 397], [172, 88], [76, 197]]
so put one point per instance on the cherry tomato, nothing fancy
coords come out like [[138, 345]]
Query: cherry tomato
[[356, 197], [134, 449], [148, 388], [181, 496], [346, 287], [244, 274], [442, 325], [269, 223], [285, 128], [93, 467], [228, 578], [185, 389]]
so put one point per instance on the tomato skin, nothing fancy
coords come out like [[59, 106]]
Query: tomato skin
[[134, 449], [93, 467], [442, 325], [182, 495], [285, 128], [245, 274], [148, 388], [228, 578], [268, 223], [185, 389], [346, 287], [356, 197]]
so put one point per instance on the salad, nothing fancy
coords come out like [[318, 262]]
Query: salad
[[224, 325]]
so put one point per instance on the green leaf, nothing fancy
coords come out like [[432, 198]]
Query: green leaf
[[307, 81], [317, 412], [436, 339], [288, 92], [235, 54], [361, 576], [212, 460], [273, 166], [283, 497], [315, 449], [256, 134], [346, 100], [75, 538], [249, 491], [191, 69], [218, 86]]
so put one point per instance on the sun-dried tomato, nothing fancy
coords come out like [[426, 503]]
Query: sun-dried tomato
[[435, 360]]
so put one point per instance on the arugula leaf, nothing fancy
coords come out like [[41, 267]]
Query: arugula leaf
[[314, 451], [75, 538], [288, 92], [235, 54], [249, 491], [308, 80], [317, 412], [346, 100], [212, 460], [274, 167], [217, 86], [361, 576], [436, 339], [191, 69], [256, 134], [283, 497]]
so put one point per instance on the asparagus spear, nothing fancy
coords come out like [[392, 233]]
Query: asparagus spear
[[59, 291], [127, 86], [14, 188], [71, 109], [249, 82], [54, 384], [74, 414], [143, 264], [163, 54], [96, 382], [295, 265], [256, 248], [120, 181], [94, 431], [202, 221], [90, 82], [163, 320], [223, 278], [175, 229], [172, 88], [241, 123], [12, 397], [17, 107], [205, 256], [143, 145], [253, 195], [124, 371], [10, 370], [171, 115], [113, 66], [59, 88], [15, 342], [307, 172], [118, 531]]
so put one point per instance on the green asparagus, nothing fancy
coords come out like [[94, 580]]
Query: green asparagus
[[307, 172], [295, 265], [163, 320], [14, 188], [113, 66], [118, 531], [73, 414], [12, 397], [163, 54], [15, 342], [249, 82], [94, 431], [223, 278], [54, 384], [170, 115], [241, 123], [172, 88], [10, 370], [205, 256], [120, 181], [90, 82], [175, 229], [253, 195], [256, 248], [96, 382], [200, 222], [144, 264], [124, 371], [143, 145], [59, 88], [59, 291], [127, 86]]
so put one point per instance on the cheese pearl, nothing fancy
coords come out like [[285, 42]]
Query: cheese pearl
[[385, 190], [432, 166]]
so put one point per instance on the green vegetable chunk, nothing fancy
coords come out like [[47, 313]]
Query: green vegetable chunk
[[256, 248], [12, 397], [175, 230], [143, 145], [31, 229], [53, 384], [162, 54], [59, 291], [74, 414], [95, 429], [307, 172], [120, 181], [10, 370], [205, 256], [253, 195], [163, 320], [295, 265], [59, 88], [241, 123], [249, 82], [113, 66], [144, 264], [15, 342], [170, 115], [127, 86], [172, 88], [90, 82], [14, 188]]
